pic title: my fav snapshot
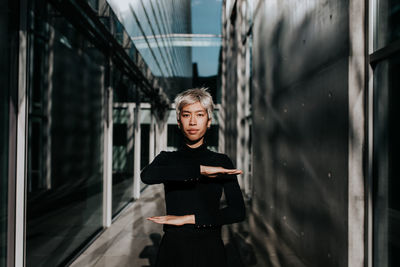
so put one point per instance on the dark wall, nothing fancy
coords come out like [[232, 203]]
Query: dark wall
[[300, 127]]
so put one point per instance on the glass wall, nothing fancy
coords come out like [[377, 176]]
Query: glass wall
[[123, 137], [387, 202], [9, 25], [386, 171], [145, 120], [65, 139], [154, 26], [123, 156], [206, 45], [387, 27], [180, 40], [4, 116]]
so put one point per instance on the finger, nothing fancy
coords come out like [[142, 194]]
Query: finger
[[154, 218], [157, 217], [234, 171], [158, 220], [229, 170]]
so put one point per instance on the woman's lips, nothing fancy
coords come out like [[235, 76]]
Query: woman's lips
[[193, 131]]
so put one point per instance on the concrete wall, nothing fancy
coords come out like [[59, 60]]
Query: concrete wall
[[235, 119], [307, 117]]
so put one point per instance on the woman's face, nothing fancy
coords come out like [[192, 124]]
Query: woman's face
[[194, 122]]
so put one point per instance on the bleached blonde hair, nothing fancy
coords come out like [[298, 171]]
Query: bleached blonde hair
[[192, 96]]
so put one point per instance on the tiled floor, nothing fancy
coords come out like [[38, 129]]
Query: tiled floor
[[133, 241]]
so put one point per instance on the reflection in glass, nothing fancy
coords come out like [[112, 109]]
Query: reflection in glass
[[388, 22], [180, 40], [65, 140], [4, 98], [123, 155], [386, 171], [144, 144], [8, 86]]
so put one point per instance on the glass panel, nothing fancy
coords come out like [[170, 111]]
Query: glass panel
[[65, 140], [4, 98], [8, 85], [386, 169], [161, 32], [206, 45], [144, 144], [145, 120], [388, 22], [123, 155]]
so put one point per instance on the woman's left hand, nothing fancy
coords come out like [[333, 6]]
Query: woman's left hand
[[172, 219]]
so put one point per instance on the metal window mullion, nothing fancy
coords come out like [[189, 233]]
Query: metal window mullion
[[166, 48], [168, 66], [107, 167], [162, 9], [151, 136], [137, 156], [371, 26], [145, 37], [18, 151]]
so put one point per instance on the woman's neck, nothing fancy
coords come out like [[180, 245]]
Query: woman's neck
[[195, 145]]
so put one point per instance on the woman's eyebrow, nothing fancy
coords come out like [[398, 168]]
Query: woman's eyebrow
[[194, 111]]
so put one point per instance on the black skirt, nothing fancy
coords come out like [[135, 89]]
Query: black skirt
[[196, 248]]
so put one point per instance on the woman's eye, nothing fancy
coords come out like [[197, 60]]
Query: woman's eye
[[201, 115], [185, 115]]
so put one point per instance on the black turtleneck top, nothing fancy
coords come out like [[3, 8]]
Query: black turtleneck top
[[188, 192]]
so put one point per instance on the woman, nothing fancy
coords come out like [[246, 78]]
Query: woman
[[194, 178]]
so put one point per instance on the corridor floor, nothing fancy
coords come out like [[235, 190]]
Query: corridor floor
[[133, 241]]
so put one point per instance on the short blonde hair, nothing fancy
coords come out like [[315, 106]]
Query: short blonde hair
[[192, 96]]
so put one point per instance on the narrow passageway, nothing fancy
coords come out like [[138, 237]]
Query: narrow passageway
[[305, 96], [133, 241]]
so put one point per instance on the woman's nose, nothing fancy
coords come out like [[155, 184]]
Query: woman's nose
[[192, 120]]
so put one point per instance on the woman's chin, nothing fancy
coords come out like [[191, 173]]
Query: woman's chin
[[193, 139]]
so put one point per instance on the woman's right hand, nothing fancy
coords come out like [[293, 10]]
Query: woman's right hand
[[214, 171]]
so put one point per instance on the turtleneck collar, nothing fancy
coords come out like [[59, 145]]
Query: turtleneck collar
[[188, 150]]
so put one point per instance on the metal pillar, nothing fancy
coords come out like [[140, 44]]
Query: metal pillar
[[136, 173], [151, 137], [108, 157]]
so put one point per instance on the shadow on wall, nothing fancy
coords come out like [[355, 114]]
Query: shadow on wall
[[301, 126]]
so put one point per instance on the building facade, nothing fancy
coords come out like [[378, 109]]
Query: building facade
[[67, 68], [322, 126]]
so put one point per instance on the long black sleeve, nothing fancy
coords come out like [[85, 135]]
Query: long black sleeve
[[188, 192], [163, 169], [235, 210]]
